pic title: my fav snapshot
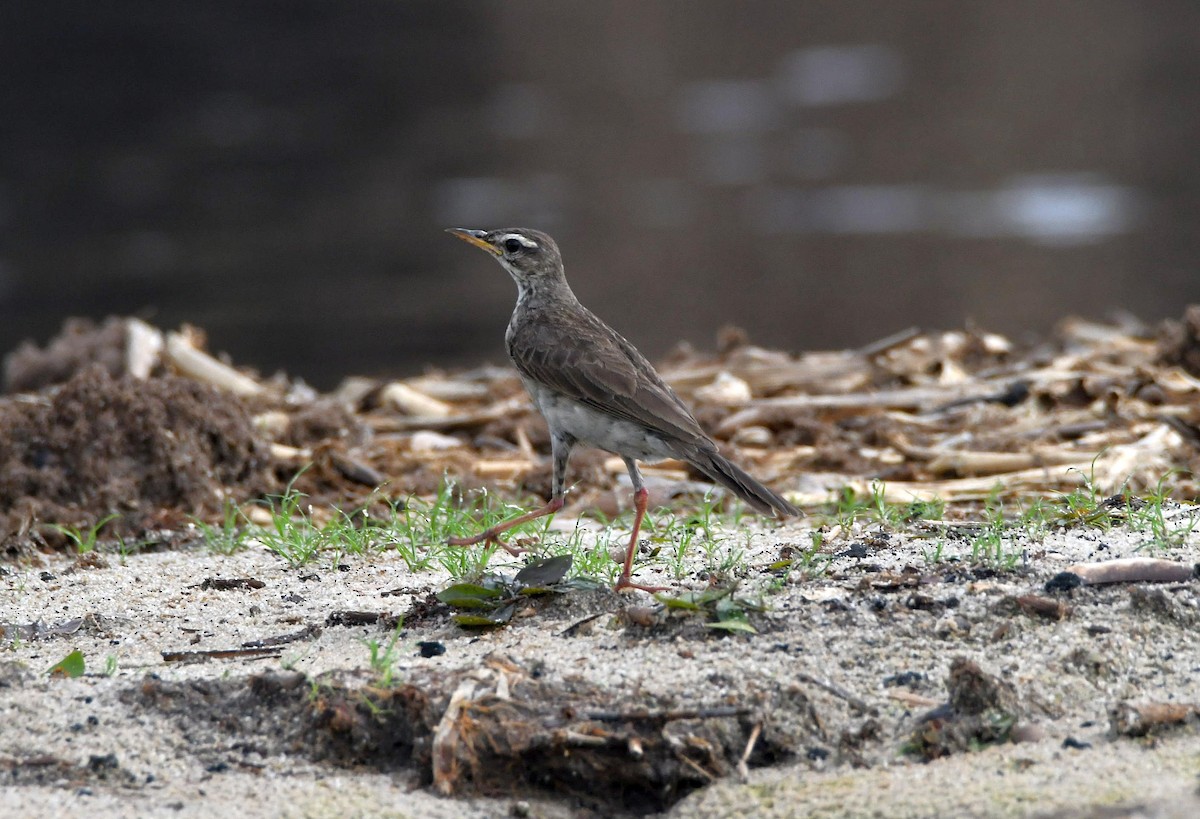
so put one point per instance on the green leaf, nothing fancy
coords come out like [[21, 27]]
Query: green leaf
[[498, 617], [729, 609], [681, 602], [69, 666], [469, 596], [544, 572], [582, 584], [740, 626], [709, 596]]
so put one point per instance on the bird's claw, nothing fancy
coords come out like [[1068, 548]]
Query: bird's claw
[[624, 582]]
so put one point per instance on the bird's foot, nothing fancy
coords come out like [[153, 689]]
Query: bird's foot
[[490, 537], [624, 582]]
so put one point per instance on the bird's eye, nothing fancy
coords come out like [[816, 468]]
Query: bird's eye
[[512, 245]]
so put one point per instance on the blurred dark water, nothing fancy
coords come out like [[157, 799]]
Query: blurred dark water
[[821, 173]]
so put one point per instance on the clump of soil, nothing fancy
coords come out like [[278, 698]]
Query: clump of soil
[[152, 452], [513, 734], [983, 710], [81, 342], [1179, 341]]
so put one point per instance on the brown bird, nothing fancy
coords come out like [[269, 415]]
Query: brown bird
[[593, 387]]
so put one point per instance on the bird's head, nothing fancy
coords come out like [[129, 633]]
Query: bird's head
[[530, 256]]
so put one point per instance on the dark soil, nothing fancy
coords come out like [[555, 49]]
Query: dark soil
[[151, 452], [81, 342]]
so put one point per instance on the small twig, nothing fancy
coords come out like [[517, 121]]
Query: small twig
[[229, 583], [200, 366], [218, 654], [889, 342], [305, 633], [573, 629], [1132, 570], [506, 469], [971, 462], [578, 740], [356, 618], [909, 698], [524, 446], [696, 766], [857, 703], [743, 767], [403, 398], [495, 412], [667, 716]]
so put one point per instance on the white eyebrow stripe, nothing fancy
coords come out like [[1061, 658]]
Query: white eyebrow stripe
[[529, 243]]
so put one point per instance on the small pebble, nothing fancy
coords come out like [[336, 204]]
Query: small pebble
[[431, 648], [640, 615], [1028, 732]]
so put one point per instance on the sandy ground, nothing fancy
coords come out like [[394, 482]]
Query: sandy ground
[[844, 664]]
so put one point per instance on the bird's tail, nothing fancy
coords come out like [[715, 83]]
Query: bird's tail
[[738, 481]]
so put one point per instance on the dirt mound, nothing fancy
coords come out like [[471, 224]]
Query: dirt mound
[[512, 734], [81, 342], [150, 451]]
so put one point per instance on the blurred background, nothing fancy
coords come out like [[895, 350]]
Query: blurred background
[[819, 172]]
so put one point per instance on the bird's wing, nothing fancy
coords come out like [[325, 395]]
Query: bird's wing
[[585, 359]]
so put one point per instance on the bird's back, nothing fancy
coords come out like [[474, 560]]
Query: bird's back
[[562, 346]]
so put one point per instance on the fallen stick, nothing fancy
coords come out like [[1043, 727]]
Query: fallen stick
[[462, 420], [857, 703], [508, 469], [909, 698], [218, 654], [405, 399], [981, 488], [229, 583], [888, 342], [743, 766], [971, 462], [1129, 570], [905, 398], [669, 469], [305, 633], [201, 366], [719, 712]]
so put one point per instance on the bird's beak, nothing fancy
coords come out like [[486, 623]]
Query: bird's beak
[[475, 237]]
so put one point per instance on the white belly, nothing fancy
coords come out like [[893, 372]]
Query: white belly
[[590, 426]]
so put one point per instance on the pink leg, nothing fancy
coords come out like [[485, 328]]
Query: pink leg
[[493, 535], [640, 498]]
